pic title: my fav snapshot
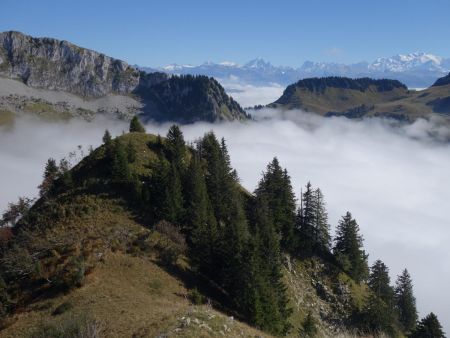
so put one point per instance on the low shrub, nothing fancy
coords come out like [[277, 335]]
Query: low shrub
[[60, 309], [196, 297]]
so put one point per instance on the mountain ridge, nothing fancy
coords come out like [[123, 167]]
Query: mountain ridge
[[364, 97], [54, 66], [416, 70]]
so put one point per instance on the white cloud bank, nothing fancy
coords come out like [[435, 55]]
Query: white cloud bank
[[395, 181], [248, 95]]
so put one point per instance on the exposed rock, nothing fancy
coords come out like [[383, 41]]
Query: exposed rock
[[57, 67], [60, 65]]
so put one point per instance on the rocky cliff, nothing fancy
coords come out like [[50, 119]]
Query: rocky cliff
[[59, 65], [69, 80]]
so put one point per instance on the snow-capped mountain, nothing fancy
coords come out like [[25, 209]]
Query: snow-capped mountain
[[405, 62], [416, 70]]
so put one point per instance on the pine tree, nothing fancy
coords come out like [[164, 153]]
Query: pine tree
[[131, 152], [276, 187], [428, 327], [109, 146], [220, 177], [201, 223], [227, 204], [262, 294], [309, 327], [51, 173], [377, 317], [348, 248], [272, 290], [322, 240], [120, 171], [379, 282], [136, 125], [405, 301], [306, 222], [173, 197], [107, 139], [312, 223], [176, 146]]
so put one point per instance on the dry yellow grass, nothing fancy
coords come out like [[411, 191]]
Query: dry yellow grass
[[132, 297]]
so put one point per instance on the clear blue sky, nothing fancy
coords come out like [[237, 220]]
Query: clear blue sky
[[151, 33]]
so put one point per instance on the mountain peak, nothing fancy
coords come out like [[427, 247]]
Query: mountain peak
[[404, 62], [258, 63]]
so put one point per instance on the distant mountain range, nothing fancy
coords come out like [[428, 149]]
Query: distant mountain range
[[57, 79], [416, 70]]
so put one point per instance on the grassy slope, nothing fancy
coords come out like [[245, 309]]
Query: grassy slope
[[399, 101], [127, 290]]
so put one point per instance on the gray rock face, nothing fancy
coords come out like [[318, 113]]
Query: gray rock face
[[60, 65], [45, 70]]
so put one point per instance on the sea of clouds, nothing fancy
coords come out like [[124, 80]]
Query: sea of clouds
[[394, 179]]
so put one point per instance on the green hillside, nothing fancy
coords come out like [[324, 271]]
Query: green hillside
[[357, 98], [149, 237]]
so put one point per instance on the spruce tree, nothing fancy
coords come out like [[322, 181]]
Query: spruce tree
[[173, 197], [136, 125], [131, 152], [379, 282], [120, 171], [322, 240], [227, 204], [309, 327], [312, 223], [176, 146], [109, 147], [306, 222], [428, 327], [272, 290], [51, 173], [200, 221], [405, 301], [107, 139], [377, 317], [348, 248], [276, 187]]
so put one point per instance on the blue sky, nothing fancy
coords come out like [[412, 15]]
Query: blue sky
[[151, 33]]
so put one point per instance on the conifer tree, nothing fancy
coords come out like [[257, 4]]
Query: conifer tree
[[312, 223], [322, 240], [276, 187], [131, 152], [428, 327], [348, 248], [309, 327], [379, 282], [262, 296], [176, 146], [405, 301], [306, 221], [109, 147], [201, 224], [227, 204], [136, 125], [107, 139], [173, 197], [377, 317], [120, 170], [51, 173]]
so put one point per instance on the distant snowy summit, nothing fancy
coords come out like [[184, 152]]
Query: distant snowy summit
[[416, 70]]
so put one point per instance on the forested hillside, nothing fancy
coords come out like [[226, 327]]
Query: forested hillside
[[149, 236]]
